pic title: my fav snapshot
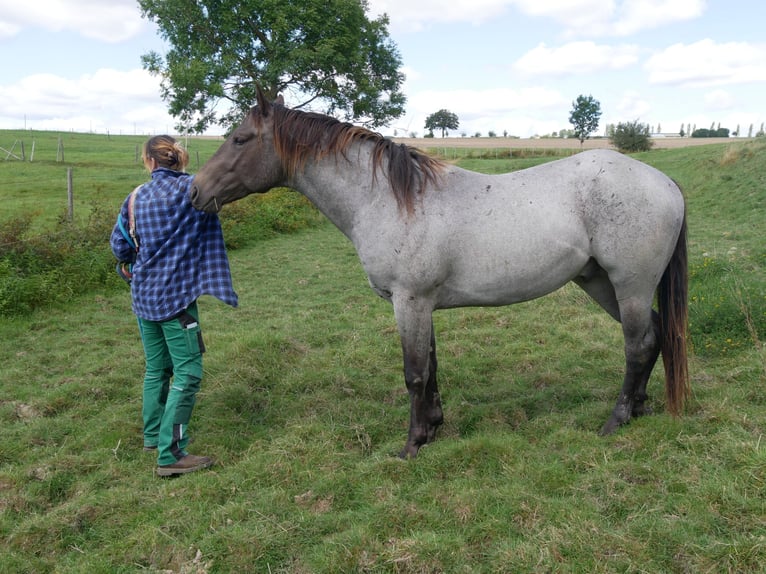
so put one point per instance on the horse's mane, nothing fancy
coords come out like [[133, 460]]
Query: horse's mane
[[300, 136]]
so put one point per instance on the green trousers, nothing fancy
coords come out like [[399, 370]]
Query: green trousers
[[173, 350]]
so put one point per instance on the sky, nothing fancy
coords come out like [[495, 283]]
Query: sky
[[513, 67]]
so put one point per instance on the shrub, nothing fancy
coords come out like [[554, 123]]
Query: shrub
[[262, 216], [40, 270], [632, 137]]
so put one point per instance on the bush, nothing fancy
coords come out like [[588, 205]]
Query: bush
[[632, 137], [262, 216], [40, 270], [705, 133]]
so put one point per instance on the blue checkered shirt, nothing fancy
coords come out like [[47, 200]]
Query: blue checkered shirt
[[181, 250]]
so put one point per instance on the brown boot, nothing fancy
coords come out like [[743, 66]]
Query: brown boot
[[189, 463]]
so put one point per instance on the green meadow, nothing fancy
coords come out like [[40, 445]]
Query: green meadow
[[303, 403]]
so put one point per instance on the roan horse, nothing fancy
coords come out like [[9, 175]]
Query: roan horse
[[434, 236]]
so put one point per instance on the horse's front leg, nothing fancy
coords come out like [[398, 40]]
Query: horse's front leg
[[413, 317]]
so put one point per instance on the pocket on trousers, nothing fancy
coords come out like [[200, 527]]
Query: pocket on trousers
[[193, 339]]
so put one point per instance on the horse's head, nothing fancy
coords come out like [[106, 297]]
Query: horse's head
[[247, 162]]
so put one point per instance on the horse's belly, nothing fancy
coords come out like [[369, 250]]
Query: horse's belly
[[490, 278]]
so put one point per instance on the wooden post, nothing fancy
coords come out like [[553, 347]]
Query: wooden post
[[32, 155], [23, 156], [70, 194], [197, 160]]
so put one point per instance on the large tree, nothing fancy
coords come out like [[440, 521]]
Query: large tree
[[442, 120], [325, 55], [584, 117]]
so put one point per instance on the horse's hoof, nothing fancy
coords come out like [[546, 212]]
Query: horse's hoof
[[611, 425], [409, 451]]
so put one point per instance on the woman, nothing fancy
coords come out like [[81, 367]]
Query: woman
[[179, 254]]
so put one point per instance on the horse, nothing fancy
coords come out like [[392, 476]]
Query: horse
[[431, 235]]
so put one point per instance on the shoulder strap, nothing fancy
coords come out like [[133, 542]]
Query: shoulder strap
[[132, 217]]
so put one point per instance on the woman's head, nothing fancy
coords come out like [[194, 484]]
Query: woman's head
[[167, 152]]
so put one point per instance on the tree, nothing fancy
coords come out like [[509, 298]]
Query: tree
[[584, 117], [325, 55], [632, 136], [442, 120]]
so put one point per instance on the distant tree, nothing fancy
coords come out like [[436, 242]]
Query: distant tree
[[442, 120], [632, 137], [750, 131], [584, 117], [681, 132]]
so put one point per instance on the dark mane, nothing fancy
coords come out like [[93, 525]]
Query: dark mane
[[300, 136]]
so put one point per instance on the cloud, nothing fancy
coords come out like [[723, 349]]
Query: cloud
[[522, 112], [597, 18], [636, 15], [107, 100], [412, 15], [718, 100], [576, 58], [707, 63], [633, 106], [113, 21]]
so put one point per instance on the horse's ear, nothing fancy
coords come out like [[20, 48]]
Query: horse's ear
[[263, 103], [280, 101]]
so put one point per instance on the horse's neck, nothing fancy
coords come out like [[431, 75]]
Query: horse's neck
[[344, 188]]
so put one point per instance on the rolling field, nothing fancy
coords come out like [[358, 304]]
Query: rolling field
[[303, 406]]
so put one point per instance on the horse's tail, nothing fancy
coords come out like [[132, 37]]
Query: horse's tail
[[672, 302]]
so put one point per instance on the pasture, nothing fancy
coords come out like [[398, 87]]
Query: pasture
[[304, 408]]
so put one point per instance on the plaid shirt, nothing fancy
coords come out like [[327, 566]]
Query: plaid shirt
[[181, 250]]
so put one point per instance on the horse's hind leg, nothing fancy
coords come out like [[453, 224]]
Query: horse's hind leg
[[640, 352], [642, 347]]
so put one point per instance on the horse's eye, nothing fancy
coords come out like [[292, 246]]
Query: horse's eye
[[240, 140]]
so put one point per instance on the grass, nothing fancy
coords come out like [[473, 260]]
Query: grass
[[304, 407]]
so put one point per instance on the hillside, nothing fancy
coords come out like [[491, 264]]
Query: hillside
[[303, 407]]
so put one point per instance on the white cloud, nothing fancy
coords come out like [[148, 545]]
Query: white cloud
[[633, 106], [412, 15], [597, 18], [522, 112], [576, 58], [113, 21], [719, 100], [636, 15], [707, 63], [115, 100]]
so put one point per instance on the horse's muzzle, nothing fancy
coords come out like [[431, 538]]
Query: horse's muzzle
[[210, 206]]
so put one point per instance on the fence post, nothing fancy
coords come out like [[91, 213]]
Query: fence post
[[70, 194], [32, 155]]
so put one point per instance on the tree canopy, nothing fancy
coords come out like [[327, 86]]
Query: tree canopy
[[442, 120], [584, 117], [325, 55]]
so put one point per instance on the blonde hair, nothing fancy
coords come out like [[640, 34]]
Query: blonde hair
[[167, 152]]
